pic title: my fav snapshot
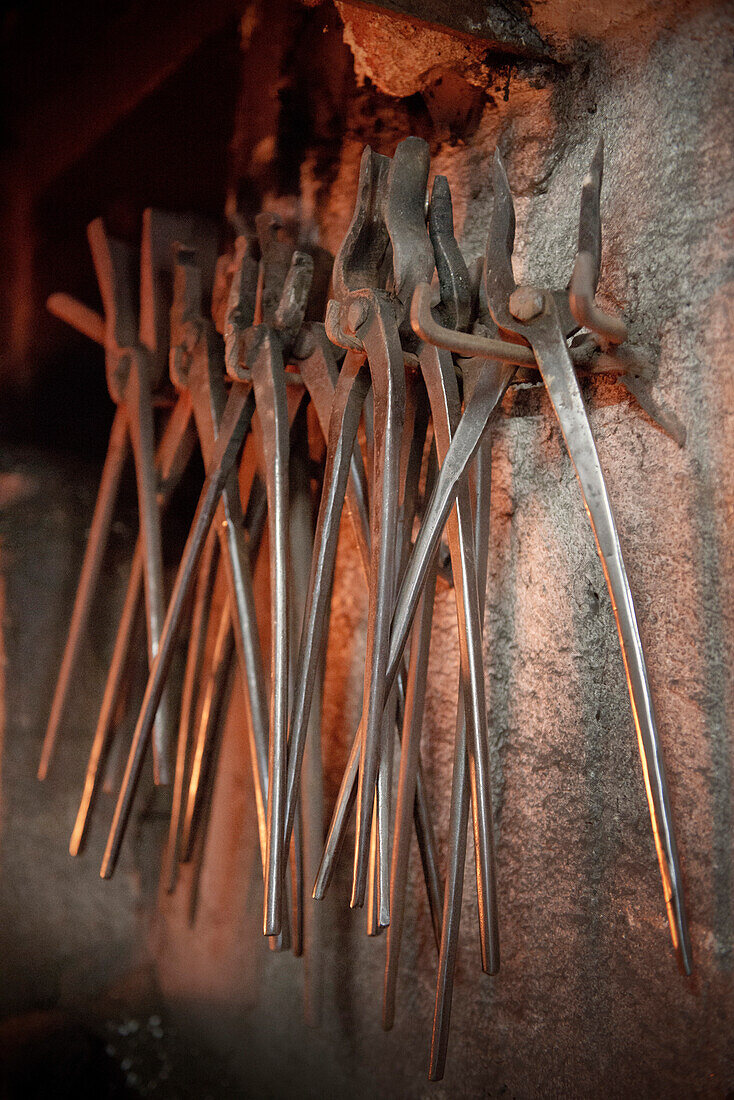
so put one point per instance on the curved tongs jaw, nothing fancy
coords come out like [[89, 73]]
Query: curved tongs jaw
[[512, 306], [271, 292], [186, 316], [585, 277], [453, 275], [386, 248]]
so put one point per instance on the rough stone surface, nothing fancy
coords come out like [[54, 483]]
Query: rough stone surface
[[588, 1000]]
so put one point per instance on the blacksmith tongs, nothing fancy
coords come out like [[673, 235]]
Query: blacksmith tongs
[[533, 314]]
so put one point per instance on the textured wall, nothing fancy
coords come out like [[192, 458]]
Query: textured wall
[[588, 999]]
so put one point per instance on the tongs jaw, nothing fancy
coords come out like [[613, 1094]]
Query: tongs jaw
[[271, 294], [454, 282], [585, 277], [386, 248], [365, 256], [162, 233]]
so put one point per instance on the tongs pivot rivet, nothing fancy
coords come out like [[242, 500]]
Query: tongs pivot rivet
[[525, 303]]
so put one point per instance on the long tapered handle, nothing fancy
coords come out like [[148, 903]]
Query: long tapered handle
[[234, 425], [139, 405], [117, 450]]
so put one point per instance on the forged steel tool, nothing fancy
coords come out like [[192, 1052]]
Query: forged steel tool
[[199, 350], [338, 398], [533, 314], [174, 451], [550, 318], [459, 810], [284, 284], [129, 381], [440, 378], [160, 231], [385, 254], [135, 359], [222, 424], [438, 374]]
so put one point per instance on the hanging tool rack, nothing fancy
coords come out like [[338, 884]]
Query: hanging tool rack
[[404, 378]]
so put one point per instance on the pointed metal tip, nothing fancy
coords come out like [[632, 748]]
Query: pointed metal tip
[[365, 164], [440, 189], [596, 168], [499, 176], [440, 209], [683, 949], [359, 888], [436, 1070], [410, 164], [95, 230], [498, 277]]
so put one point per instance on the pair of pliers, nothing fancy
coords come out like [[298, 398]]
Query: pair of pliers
[[257, 347], [534, 315], [467, 558], [438, 373], [338, 397]]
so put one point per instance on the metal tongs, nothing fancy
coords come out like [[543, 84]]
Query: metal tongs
[[284, 284], [438, 373], [223, 424], [135, 345], [543, 320], [160, 230], [385, 254]]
